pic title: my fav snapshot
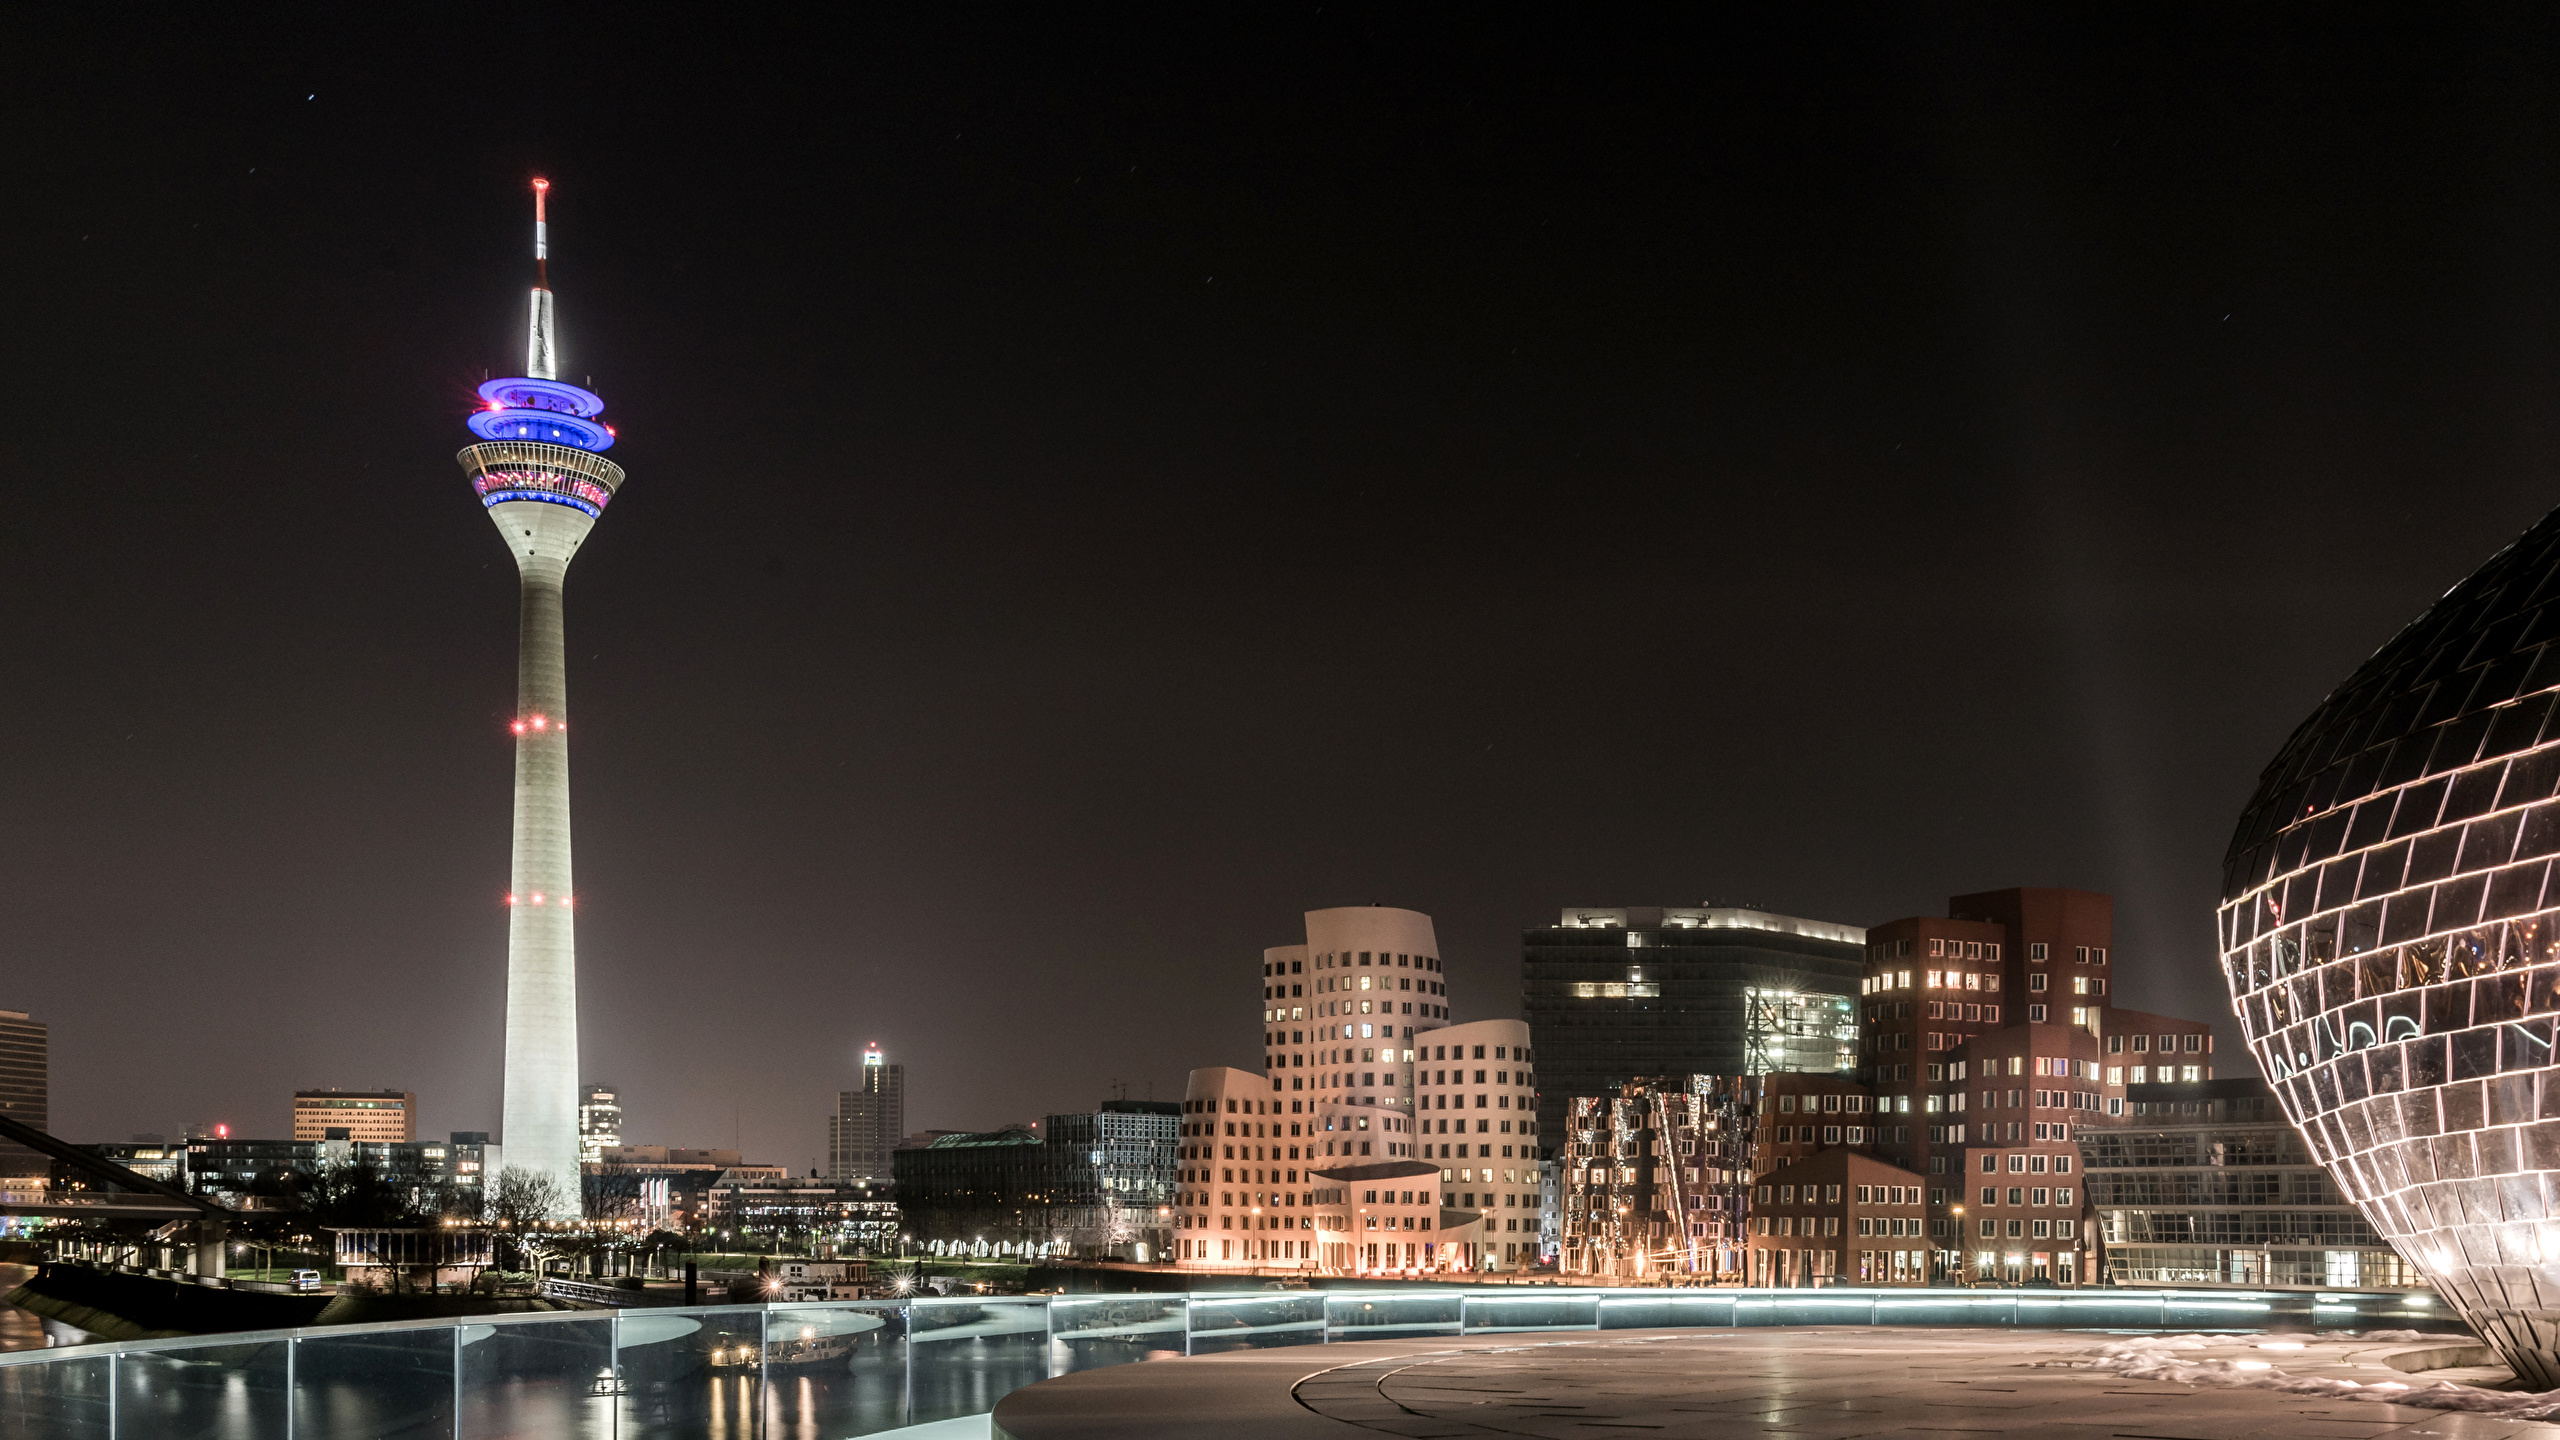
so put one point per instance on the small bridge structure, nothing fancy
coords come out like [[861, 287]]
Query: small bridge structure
[[204, 1224]]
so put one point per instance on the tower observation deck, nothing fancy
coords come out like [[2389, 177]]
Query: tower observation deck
[[539, 472]]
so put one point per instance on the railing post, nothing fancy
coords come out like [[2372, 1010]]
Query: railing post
[[115, 1390], [457, 1382]]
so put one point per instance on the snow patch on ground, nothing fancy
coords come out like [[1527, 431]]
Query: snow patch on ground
[[2166, 1358]]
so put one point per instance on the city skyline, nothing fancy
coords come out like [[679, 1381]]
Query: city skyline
[[1101, 499]]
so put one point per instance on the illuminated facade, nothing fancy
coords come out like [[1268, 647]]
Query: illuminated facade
[[599, 1122], [1992, 1043], [2386, 932], [374, 1116], [2207, 1183], [1367, 1082], [539, 473], [1615, 994], [1654, 1180]]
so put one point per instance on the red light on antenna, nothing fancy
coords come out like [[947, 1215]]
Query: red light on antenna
[[541, 184], [221, 1132], [517, 727]]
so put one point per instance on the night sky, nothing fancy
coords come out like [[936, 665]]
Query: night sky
[[1102, 485]]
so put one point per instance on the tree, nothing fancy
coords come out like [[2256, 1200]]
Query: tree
[[611, 1195], [519, 1204]]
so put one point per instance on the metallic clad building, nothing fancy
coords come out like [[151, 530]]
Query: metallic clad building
[[538, 472], [2386, 933], [1656, 1178]]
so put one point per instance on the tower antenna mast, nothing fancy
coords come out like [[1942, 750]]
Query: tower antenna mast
[[541, 351]]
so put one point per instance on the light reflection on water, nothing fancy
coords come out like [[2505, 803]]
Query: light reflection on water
[[794, 1373], [19, 1329]]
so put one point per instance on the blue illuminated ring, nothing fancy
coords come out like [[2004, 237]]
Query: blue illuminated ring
[[547, 426], [500, 497], [521, 393]]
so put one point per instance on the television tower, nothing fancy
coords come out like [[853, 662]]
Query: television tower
[[539, 471]]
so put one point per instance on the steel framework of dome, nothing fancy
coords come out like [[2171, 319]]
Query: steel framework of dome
[[2387, 931]]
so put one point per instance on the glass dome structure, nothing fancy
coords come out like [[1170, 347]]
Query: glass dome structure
[[2387, 931]]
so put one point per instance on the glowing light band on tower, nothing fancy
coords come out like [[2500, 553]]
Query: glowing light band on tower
[[539, 471]]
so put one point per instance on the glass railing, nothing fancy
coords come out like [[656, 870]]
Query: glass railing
[[852, 1368]]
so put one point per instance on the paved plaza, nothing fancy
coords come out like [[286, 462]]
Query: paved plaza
[[1803, 1384]]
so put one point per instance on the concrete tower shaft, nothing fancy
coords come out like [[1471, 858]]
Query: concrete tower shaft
[[540, 1112]]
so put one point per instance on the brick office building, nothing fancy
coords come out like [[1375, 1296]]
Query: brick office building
[[1990, 1038], [1839, 1217]]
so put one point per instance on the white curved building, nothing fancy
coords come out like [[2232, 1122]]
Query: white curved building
[[1364, 1089]]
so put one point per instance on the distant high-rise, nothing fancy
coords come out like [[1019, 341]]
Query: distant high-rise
[[869, 1122], [388, 1117], [24, 1088], [1619, 994], [537, 471], [599, 1122]]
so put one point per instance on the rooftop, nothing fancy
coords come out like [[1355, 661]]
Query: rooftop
[[1707, 917]]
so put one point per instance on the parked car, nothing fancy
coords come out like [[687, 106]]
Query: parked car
[[306, 1279]]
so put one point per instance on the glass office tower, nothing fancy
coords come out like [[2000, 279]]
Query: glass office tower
[[1613, 995]]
